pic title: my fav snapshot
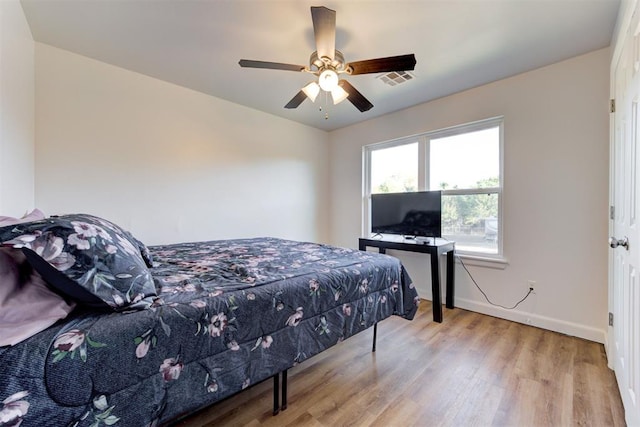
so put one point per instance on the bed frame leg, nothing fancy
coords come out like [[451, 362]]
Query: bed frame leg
[[284, 389], [375, 333], [276, 394]]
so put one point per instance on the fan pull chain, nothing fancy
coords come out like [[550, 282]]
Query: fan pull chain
[[326, 114]]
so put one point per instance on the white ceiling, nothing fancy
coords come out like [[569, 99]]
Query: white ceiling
[[458, 44]]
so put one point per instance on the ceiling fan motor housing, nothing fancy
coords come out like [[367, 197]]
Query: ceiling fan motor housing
[[317, 65]]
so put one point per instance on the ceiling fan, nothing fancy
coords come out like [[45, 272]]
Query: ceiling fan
[[327, 64]]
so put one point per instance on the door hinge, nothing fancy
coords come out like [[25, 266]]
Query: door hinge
[[610, 319], [612, 212], [612, 105]]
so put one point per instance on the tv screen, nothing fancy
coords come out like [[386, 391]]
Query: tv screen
[[410, 214]]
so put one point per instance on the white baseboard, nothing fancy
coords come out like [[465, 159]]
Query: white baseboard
[[561, 326]]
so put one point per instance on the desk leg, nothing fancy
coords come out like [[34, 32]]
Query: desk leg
[[451, 284], [435, 288]]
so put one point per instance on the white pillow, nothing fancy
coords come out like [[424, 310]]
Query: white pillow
[[27, 305], [34, 215]]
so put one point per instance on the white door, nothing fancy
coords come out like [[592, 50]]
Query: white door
[[624, 286]]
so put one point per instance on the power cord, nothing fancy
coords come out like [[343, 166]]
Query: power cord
[[485, 295]]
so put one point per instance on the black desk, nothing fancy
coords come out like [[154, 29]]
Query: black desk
[[436, 249]]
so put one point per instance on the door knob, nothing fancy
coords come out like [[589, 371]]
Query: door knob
[[614, 243]]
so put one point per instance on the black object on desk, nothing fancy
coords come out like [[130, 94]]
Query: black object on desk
[[434, 247]]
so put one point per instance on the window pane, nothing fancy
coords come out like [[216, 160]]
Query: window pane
[[395, 169], [469, 160], [471, 220]]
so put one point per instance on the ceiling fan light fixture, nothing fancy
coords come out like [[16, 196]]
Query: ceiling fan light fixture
[[328, 80], [311, 90], [338, 94]]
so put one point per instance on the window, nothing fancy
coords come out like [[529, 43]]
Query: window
[[465, 162], [395, 169]]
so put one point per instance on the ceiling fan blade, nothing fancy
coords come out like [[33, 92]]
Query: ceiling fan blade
[[355, 97], [383, 65], [324, 28], [296, 100], [248, 63]]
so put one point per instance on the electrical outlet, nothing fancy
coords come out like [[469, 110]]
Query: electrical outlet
[[532, 285]]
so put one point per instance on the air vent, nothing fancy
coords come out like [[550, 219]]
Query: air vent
[[394, 78]]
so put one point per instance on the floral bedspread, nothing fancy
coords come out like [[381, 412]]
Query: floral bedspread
[[229, 314]]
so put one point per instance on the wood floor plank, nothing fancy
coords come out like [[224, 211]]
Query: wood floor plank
[[470, 370]]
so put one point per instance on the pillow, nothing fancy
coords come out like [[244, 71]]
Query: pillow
[[27, 305], [86, 258], [144, 251], [34, 215], [37, 214]]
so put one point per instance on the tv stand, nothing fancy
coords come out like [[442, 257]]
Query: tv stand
[[434, 247]]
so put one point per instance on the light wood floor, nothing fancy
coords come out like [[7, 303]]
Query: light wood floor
[[470, 370]]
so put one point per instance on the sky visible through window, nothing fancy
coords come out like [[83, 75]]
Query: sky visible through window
[[461, 161], [395, 169]]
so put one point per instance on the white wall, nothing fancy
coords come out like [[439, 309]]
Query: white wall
[[555, 191], [169, 163], [16, 111]]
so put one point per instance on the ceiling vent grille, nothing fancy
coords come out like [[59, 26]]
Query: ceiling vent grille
[[394, 78]]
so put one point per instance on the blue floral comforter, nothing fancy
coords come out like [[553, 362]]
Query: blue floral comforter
[[229, 314]]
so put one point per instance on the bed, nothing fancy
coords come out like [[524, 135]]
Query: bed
[[150, 340]]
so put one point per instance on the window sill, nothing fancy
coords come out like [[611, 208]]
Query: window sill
[[498, 263]]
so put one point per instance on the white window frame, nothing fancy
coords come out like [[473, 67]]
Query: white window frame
[[424, 140]]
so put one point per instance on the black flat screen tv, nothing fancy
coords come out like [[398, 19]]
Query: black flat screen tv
[[415, 214]]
